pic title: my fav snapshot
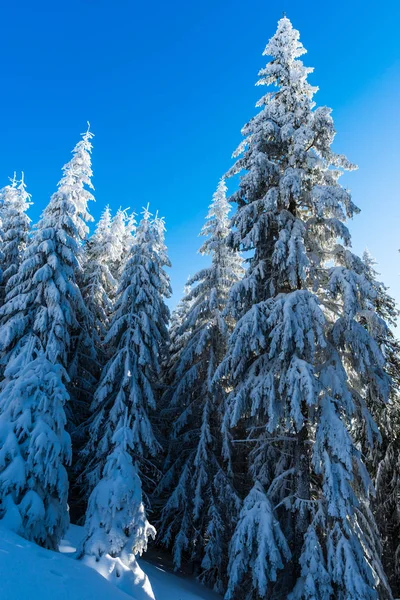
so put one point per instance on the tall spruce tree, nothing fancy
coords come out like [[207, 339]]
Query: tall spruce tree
[[83, 365], [129, 235], [177, 342], [15, 202], [122, 443], [123, 227], [300, 364], [202, 504], [385, 463], [39, 322], [99, 286]]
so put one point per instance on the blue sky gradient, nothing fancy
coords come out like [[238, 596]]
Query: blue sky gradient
[[167, 87]]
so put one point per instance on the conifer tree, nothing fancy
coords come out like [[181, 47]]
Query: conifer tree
[[7, 197], [123, 226], [15, 202], [117, 236], [39, 321], [83, 364], [116, 522], [300, 364], [98, 288], [129, 235], [385, 462], [177, 342], [178, 339], [122, 443], [99, 285], [202, 503]]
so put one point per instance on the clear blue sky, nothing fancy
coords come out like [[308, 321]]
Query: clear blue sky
[[167, 87]]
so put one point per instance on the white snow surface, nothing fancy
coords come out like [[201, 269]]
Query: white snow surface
[[28, 571]]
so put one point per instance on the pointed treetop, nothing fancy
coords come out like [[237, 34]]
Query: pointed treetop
[[130, 222], [146, 212], [23, 194], [88, 134], [217, 218], [221, 186], [285, 42], [160, 221]]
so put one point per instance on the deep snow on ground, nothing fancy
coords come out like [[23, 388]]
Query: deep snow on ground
[[28, 572]]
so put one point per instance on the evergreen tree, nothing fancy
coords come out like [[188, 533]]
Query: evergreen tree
[[123, 226], [161, 249], [300, 365], [1, 252], [15, 201], [178, 338], [116, 522], [122, 444], [202, 503], [385, 463], [7, 197], [99, 285], [39, 322], [83, 365], [98, 288], [129, 235], [34, 447]]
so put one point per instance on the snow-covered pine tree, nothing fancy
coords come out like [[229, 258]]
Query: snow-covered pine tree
[[1, 252], [160, 422], [121, 430], [118, 233], [34, 447], [39, 323], [76, 186], [7, 196], [387, 503], [177, 341], [8, 192], [202, 504], [158, 225], [177, 338], [15, 202], [123, 227], [116, 523], [129, 236], [99, 286], [385, 463], [300, 363]]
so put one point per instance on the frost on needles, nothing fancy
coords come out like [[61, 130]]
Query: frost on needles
[[301, 363]]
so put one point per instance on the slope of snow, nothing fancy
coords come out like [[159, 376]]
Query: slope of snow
[[167, 586], [28, 571]]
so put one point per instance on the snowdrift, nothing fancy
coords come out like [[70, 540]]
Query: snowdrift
[[30, 572]]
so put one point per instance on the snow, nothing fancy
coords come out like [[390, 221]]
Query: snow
[[29, 571]]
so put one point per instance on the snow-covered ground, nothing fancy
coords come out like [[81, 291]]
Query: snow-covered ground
[[30, 572]]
